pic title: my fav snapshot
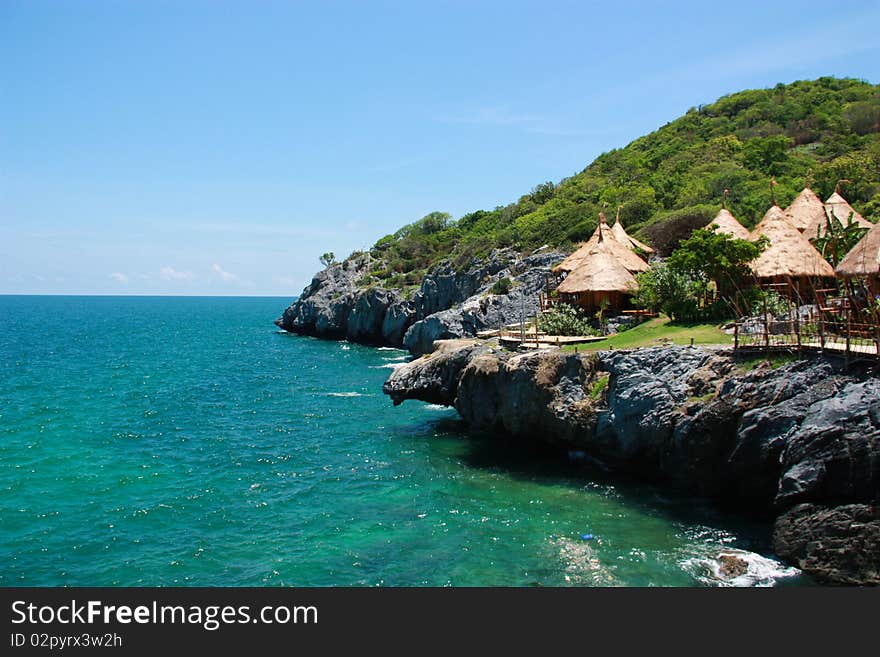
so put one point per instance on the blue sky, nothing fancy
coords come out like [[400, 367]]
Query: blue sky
[[220, 147]]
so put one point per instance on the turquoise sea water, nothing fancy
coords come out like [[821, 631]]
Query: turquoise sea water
[[186, 441]]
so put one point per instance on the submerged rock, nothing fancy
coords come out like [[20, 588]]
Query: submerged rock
[[731, 566]]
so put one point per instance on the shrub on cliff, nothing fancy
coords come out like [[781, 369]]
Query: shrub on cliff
[[563, 319], [501, 286]]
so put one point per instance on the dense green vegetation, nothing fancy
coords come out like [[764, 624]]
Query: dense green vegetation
[[671, 181], [704, 278]]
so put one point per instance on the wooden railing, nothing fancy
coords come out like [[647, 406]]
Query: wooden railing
[[833, 329]]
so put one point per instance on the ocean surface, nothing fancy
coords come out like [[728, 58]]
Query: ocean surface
[[188, 441]]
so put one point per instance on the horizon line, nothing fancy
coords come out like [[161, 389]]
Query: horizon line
[[100, 294]]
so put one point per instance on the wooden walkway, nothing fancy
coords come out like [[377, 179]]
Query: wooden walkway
[[856, 346], [548, 341], [511, 336]]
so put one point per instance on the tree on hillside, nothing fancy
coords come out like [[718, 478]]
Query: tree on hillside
[[328, 259], [674, 293], [713, 256]]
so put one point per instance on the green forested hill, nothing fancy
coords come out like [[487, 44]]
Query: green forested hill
[[672, 180]]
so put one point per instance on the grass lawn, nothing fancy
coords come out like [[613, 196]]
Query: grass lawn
[[653, 331]]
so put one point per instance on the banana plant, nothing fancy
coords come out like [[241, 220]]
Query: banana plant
[[839, 238]]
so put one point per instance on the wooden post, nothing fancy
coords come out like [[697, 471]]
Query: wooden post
[[848, 328], [766, 324], [876, 337], [736, 335]]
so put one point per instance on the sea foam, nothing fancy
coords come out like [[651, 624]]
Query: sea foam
[[761, 571]]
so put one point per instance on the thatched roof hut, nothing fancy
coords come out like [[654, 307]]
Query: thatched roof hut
[[789, 254], [600, 277], [725, 222], [841, 209], [864, 258], [600, 273], [807, 213], [604, 232], [625, 238]]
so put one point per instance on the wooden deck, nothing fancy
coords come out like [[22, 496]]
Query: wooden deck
[[548, 341], [511, 336]]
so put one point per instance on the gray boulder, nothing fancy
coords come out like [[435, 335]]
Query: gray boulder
[[836, 544]]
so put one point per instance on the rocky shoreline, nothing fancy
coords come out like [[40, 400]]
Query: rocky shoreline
[[341, 302], [799, 442]]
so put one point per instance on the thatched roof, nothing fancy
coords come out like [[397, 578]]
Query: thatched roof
[[625, 238], [864, 258], [600, 271], [789, 252], [727, 223], [604, 232], [807, 213], [841, 209], [571, 262]]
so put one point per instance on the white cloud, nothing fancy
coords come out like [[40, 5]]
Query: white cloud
[[119, 278], [171, 274], [224, 275]]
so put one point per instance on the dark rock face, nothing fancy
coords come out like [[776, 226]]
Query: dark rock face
[[835, 452], [333, 306], [471, 307], [435, 380], [539, 396], [397, 320], [642, 406], [449, 304], [839, 544], [806, 432]]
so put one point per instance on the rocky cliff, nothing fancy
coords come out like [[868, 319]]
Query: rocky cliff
[[342, 303], [801, 441]]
